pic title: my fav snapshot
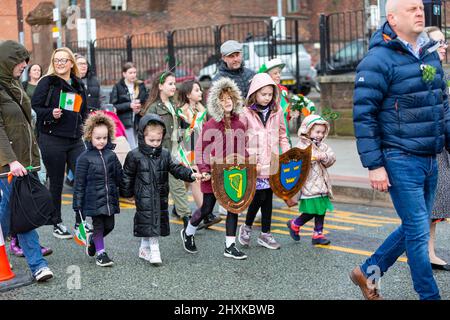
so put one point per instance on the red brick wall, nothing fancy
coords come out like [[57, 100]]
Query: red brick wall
[[146, 16], [8, 20]]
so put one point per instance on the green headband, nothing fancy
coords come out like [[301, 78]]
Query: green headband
[[314, 120]]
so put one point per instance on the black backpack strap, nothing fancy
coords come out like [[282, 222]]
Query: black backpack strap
[[49, 95]]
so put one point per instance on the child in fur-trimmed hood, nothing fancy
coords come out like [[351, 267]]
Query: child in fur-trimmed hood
[[316, 192], [97, 178], [224, 106]]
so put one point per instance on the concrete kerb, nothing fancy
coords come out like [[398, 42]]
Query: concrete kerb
[[360, 195], [20, 280]]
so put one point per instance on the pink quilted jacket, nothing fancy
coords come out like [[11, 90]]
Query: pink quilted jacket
[[265, 140]]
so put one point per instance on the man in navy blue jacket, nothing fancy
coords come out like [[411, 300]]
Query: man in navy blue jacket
[[401, 122]]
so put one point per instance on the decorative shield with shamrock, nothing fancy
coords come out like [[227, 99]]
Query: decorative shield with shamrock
[[234, 182], [293, 169]]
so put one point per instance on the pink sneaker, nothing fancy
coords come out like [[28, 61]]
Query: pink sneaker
[[14, 248], [46, 251]]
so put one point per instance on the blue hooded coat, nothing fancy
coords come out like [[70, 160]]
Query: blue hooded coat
[[393, 106]]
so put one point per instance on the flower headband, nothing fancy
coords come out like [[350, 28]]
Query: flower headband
[[164, 75]]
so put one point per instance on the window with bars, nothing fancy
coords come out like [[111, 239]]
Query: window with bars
[[119, 5], [293, 6]]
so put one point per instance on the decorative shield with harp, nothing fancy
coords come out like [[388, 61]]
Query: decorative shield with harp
[[234, 182], [293, 169]]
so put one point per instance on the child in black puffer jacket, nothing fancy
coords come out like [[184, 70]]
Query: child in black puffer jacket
[[146, 177], [97, 178]]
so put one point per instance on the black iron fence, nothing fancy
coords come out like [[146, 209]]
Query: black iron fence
[[195, 53], [343, 41], [345, 36]]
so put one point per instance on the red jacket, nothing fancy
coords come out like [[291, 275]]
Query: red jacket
[[214, 143]]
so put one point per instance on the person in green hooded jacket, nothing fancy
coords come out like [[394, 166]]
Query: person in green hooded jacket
[[18, 147]]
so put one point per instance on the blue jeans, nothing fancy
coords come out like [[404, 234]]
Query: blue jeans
[[413, 179], [29, 241]]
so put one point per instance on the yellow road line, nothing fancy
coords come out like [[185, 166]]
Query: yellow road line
[[332, 226], [349, 217], [354, 251], [295, 213], [329, 226], [341, 216], [218, 228], [335, 227], [351, 221], [354, 222], [328, 247], [127, 206], [370, 216], [396, 220]]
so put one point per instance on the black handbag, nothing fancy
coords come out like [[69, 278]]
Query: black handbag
[[31, 204]]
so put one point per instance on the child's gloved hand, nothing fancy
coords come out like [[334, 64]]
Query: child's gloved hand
[[321, 156]]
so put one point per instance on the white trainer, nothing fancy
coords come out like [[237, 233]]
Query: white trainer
[[144, 253], [43, 274], [155, 255]]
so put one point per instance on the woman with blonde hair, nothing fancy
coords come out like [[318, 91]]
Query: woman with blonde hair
[[60, 104]]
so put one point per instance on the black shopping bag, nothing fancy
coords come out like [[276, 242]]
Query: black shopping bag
[[31, 204]]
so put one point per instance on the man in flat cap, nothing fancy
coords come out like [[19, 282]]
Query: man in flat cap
[[232, 66]]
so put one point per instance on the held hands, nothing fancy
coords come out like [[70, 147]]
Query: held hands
[[197, 176], [17, 169], [57, 113], [379, 179], [206, 176]]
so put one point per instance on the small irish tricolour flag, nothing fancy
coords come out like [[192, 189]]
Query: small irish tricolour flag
[[80, 233], [70, 101], [184, 157]]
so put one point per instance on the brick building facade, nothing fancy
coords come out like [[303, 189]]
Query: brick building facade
[[151, 16], [159, 15], [146, 16]]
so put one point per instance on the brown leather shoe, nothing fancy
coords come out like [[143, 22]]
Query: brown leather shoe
[[360, 280]]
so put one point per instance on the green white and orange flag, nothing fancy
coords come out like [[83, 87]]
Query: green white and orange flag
[[196, 124], [184, 157], [80, 234], [70, 101]]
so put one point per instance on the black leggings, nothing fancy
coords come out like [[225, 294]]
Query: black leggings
[[56, 153], [263, 199], [103, 224], [209, 201]]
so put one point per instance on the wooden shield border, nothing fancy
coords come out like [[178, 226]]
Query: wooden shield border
[[292, 154], [217, 182]]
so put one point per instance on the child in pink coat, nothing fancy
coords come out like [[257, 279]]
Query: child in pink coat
[[266, 130], [120, 140]]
